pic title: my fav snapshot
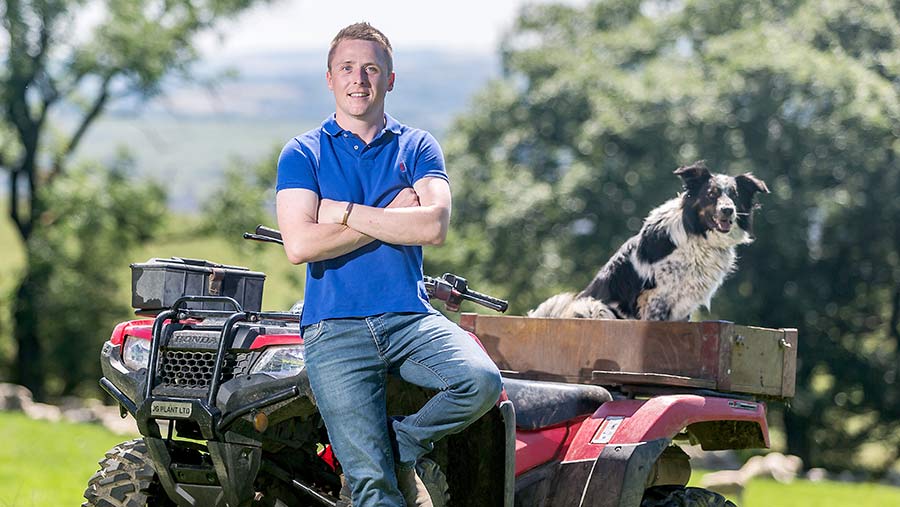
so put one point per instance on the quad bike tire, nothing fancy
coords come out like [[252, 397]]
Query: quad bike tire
[[126, 479], [683, 496]]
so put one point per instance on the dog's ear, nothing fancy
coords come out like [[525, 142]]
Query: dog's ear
[[748, 185], [694, 175]]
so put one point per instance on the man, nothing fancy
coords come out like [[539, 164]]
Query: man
[[357, 198]]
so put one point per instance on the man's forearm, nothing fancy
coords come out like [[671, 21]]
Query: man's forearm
[[319, 242], [421, 225], [405, 221]]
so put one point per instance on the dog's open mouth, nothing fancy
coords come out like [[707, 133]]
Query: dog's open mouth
[[723, 225]]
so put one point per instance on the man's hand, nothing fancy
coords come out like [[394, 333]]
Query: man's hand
[[407, 198]]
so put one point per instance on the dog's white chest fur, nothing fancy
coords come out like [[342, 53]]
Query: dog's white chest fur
[[690, 275], [686, 279]]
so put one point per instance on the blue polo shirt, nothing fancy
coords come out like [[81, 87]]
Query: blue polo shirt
[[336, 164]]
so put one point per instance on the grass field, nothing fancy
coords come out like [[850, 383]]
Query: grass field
[[802, 493], [46, 464]]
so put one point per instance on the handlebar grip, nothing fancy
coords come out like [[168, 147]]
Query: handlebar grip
[[493, 303], [452, 289], [262, 230], [266, 239]]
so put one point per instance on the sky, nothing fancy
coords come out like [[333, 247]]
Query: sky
[[460, 25]]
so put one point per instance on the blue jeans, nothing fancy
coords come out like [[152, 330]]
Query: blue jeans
[[348, 361]]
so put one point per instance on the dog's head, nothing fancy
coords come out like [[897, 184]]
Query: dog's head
[[715, 202]]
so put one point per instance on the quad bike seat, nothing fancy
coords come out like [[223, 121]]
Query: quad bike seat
[[540, 404]]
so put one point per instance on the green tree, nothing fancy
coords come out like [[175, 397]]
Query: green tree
[[45, 65], [559, 161], [245, 199], [78, 295]]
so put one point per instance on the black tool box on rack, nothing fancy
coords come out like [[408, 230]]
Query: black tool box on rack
[[158, 283]]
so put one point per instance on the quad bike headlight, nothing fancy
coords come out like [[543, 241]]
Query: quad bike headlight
[[136, 353], [280, 361]]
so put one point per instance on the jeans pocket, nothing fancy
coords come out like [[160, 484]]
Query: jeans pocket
[[312, 332]]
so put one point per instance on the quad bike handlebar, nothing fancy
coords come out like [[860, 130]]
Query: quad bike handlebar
[[449, 288], [265, 234], [453, 290]]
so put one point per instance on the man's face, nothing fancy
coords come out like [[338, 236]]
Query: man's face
[[360, 80]]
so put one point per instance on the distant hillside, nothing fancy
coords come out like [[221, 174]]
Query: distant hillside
[[430, 86], [186, 136]]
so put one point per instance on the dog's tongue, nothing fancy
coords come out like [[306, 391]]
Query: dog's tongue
[[724, 225]]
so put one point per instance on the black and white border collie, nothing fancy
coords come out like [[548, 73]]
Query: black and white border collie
[[680, 257]]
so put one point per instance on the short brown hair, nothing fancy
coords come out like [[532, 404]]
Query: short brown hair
[[363, 31]]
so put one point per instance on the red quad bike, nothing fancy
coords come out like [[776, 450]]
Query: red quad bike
[[222, 401]]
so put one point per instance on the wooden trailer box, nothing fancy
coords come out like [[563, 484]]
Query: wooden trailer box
[[708, 355]]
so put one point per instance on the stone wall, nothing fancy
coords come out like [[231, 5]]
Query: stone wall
[[19, 399]]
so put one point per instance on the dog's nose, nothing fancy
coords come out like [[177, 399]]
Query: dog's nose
[[728, 212]]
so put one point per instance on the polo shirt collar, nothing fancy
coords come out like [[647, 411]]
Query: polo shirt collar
[[330, 125], [392, 125]]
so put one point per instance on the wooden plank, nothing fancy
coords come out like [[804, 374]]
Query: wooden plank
[[757, 360], [710, 332], [468, 322], [571, 349], [789, 372], [722, 336], [715, 354]]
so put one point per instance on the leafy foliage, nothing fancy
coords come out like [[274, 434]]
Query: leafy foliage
[[97, 218], [244, 200], [44, 66], [556, 164]]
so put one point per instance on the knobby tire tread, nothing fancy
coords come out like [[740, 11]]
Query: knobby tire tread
[[125, 479]]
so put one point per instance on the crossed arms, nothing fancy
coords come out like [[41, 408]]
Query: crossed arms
[[312, 230]]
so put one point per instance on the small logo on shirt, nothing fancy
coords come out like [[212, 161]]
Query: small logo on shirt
[[402, 167]]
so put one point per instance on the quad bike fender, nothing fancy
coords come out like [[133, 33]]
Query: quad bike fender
[[614, 454], [716, 422]]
